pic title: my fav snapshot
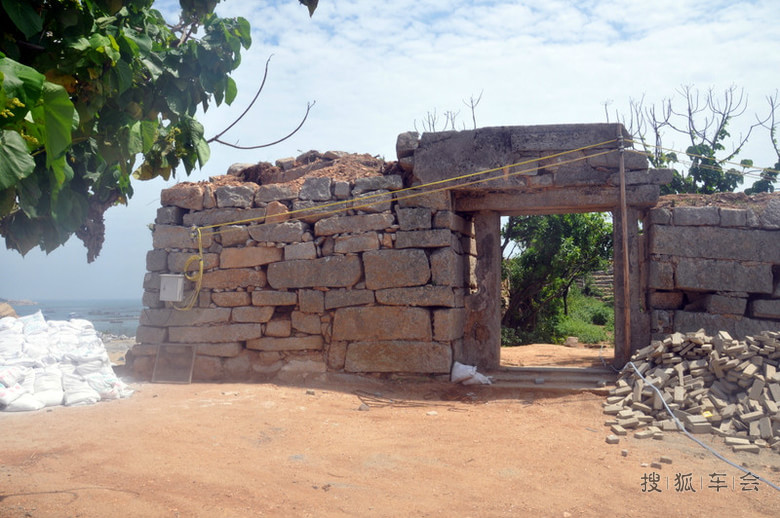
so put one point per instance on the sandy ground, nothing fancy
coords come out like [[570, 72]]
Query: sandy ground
[[421, 449]]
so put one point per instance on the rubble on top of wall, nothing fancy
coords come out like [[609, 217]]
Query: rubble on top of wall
[[711, 384]]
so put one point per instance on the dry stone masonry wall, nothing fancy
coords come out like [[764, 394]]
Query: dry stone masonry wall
[[313, 274], [716, 266]]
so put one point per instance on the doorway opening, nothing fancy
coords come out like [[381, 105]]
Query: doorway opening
[[557, 291]]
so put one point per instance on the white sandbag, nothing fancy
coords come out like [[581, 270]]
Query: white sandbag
[[10, 394], [91, 367], [478, 379], [462, 372], [10, 376], [78, 391], [34, 324], [48, 386], [24, 403]]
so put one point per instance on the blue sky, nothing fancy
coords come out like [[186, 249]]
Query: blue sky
[[374, 68]]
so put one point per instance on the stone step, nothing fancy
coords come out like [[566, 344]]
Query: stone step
[[598, 380]]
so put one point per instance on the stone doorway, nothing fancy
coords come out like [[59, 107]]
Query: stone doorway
[[537, 170]]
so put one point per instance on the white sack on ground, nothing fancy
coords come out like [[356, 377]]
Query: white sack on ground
[[467, 375], [53, 363]]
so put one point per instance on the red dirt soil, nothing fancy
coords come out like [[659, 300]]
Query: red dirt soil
[[422, 448]]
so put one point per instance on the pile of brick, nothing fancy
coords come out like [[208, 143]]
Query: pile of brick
[[715, 385]]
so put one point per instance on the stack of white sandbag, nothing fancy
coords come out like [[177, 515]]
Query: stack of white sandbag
[[53, 363]]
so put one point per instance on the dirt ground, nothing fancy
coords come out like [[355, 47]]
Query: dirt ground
[[421, 449]]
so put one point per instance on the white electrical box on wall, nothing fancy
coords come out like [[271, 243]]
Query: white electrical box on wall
[[171, 287]]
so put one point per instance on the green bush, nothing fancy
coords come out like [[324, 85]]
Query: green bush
[[586, 332]]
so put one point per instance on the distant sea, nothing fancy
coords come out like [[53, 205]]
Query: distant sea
[[116, 317]]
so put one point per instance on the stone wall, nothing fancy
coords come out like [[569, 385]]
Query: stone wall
[[341, 275], [714, 267]]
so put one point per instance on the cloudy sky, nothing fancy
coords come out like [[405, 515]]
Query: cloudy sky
[[374, 68]]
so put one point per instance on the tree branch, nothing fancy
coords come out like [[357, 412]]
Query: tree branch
[[293, 132], [216, 137]]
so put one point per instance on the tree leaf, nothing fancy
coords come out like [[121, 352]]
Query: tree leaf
[[231, 91], [58, 118], [15, 160], [24, 16]]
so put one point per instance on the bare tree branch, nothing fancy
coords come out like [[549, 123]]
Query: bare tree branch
[[216, 137], [293, 132]]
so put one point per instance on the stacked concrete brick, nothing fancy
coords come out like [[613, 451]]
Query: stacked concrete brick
[[715, 268], [377, 286], [711, 384]]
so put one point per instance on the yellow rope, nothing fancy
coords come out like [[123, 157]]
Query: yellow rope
[[422, 190]]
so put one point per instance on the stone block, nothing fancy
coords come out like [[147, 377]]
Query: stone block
[[217, 333], [414, 218], [660, 216], [715, 243], [716, 275], [193, 317], [435, 199], [305, 322], [442, 296], [356, 243], [292, 343], [406, 143], [433, 238], [249, 256], [276, 192], [452, 221], [666, 299], [169, 216], [241, 196], [724, 305], [207, 368], [733, 217], [233, 278], [296, 251], [156, 260], [696, 216], [344, 298], [230, 299], [312, 211], [274, 298], [316, 189], [223, 216], [184, 195], [392, 182], [286, 232], [373, 201], [178, 260], [224, 350], [151, 335], [280, 328], [311, 301], [151, 299], [336, 355], [765, 309], [382, 323], [330, 272], [276, 212], [259, 314], [353, 224], [398, 356], [770, 217], [233, 235], [341, 190], [169, 236], [448, 324], [448, 268], [396, 268], [661, 275]]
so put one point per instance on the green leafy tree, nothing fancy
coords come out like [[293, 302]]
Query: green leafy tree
[[555, 251], [88, 87], [705, 121]]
